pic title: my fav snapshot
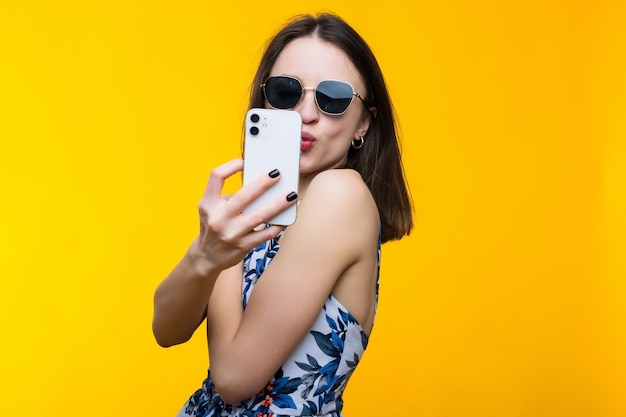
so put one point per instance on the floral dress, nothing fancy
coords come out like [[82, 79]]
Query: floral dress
[[312, 380]]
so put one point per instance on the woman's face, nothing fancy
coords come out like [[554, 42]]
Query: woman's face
[[326, 139]]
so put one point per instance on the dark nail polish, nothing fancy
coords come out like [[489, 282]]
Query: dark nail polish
[[292, 196], [274, 173]]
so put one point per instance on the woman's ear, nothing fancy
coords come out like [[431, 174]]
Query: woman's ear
[[364, 123]]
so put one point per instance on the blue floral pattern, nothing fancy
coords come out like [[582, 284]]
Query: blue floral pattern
[[312, 380]]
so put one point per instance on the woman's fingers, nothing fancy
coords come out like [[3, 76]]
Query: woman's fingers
[[236, 203], [225, 231], [270, 210], [255, 238], [213, 190], [252, 190]]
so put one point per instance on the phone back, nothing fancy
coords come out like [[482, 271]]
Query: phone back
[[272, 141]]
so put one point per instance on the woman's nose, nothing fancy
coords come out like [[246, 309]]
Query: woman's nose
[[308, 107]]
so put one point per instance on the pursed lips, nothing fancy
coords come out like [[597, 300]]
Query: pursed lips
[[308, 140]]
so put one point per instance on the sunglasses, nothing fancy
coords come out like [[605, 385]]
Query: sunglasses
[[331, 96]]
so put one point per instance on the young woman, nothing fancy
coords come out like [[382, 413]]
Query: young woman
[[289, 310]]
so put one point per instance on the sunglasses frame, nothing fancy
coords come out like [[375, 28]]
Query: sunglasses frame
[[303, 89]]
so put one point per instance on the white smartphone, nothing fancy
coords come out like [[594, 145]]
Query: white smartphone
[[272, 141]]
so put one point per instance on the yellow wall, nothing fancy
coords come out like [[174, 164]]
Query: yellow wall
[[508, 298]]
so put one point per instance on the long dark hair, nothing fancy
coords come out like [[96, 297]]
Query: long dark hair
[[378, 161]]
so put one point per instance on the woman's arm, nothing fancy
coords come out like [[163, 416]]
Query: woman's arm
[[226, 235], [337, 227]]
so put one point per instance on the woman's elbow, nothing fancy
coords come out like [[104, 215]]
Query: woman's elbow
[[233, 386], [166, 338], [164, 342]]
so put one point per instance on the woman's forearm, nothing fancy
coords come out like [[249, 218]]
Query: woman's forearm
[[226, 235], [180, 301]]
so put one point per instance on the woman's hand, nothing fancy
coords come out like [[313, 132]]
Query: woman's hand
[[226, 234]]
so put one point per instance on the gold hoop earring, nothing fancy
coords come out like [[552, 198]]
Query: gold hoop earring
[[359, 144]]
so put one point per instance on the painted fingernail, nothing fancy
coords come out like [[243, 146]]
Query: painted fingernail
[[292, 196], [274, 173]]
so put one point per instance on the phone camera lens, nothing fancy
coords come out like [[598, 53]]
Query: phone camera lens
[[254, 117], [254, 130]]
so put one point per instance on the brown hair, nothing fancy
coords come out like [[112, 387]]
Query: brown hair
[[378, 161]]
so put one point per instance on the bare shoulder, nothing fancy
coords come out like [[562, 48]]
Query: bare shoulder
[[338, 202], [340, 186]]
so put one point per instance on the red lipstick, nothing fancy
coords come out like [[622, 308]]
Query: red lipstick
[[308, 140]]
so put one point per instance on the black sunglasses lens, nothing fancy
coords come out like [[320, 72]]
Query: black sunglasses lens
[[283, 92], [333, 97]]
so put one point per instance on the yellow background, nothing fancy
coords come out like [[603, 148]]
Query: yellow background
[[507, 300]]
